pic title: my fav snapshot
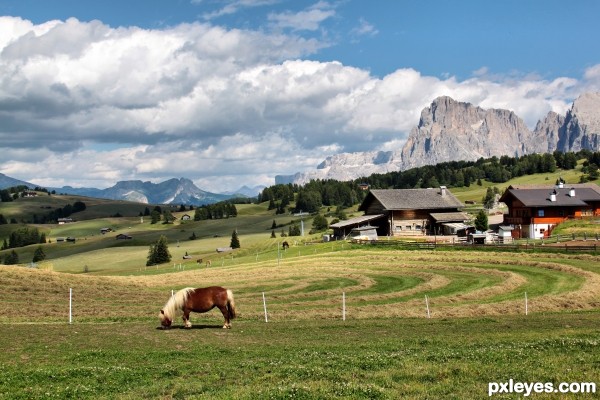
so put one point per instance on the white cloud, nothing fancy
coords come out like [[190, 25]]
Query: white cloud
[[364, 28], [223, 107], [305, 20]]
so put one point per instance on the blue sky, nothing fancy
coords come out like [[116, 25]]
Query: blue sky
[[546, 37], [242, 90]]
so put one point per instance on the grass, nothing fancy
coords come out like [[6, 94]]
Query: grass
[[386, 349], [355, 359]]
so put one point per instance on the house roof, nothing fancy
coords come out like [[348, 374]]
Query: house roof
[[356, 221], [413, 199], [540, 195], [450, 217]]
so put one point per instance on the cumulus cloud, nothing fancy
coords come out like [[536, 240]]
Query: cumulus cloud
[[224, 107]]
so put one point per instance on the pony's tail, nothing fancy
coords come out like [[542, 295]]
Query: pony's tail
[[230, 304]]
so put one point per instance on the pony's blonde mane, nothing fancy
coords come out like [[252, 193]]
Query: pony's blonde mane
[[176, 302]]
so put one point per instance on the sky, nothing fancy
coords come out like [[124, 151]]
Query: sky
[[230, 93]]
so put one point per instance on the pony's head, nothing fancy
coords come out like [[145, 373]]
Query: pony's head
[[164, 320]]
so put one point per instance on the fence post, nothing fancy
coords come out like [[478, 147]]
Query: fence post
[[526, 304], [343, 306], [265, 307], [427, 306], [70, 305]]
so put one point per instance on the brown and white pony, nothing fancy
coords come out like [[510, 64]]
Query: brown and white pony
[[198, 300]]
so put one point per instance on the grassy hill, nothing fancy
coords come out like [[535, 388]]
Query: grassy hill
[[386, 347]]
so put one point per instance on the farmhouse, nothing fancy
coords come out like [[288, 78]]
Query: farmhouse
[[534, 210], [412, 212]]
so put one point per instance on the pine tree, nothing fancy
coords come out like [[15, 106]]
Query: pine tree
[[159, 252], [39, 254], [481, 221], [235, 241], [11, 258], [273, 234]]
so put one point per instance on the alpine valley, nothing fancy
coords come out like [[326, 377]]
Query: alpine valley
[[450, 130]]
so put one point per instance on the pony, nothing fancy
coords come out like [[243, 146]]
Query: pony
[[208, 263], [285, 245], [198, 300]]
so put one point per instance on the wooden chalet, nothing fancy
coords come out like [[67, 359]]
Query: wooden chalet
[[413, 211], [533, 210]]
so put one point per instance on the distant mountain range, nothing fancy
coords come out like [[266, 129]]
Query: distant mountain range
[[450, 130], [172, 191]]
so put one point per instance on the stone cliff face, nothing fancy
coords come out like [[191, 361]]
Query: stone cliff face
[[582, 125], [450, 130]]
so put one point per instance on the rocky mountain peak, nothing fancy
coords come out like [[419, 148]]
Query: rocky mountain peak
[[451, 130]]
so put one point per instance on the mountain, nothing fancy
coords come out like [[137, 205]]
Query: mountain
[[172, 191], [246, 191], [449, 130], [582, 125], [7, 181]]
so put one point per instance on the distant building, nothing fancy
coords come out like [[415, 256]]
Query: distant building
[[534, 210], [122, 236]]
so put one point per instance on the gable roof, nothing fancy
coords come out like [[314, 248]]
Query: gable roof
[[540, 195], [413, 199], [356, 221]]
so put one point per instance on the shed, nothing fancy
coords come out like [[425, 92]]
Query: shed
[[344, 228], [505, 234], [364, 233]]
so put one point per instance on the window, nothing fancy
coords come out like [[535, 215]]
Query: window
[[540, 213]]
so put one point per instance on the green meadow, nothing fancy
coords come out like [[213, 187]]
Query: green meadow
[[318, 320]]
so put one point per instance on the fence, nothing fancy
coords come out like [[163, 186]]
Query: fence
[[557, 244]]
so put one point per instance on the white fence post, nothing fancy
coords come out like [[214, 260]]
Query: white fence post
[[265, 307], [526, 305], [343, 306], [427, 306], [70, 305]]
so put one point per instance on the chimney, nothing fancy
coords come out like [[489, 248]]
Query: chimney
[[572, 192], [553, 196], [561, 184], [443, 190]]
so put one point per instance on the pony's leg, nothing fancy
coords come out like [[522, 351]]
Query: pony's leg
[[225, 313], [186, 319]]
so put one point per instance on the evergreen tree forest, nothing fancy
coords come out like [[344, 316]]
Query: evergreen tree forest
[[317, 193]]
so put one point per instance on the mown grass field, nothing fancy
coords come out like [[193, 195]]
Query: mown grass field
[[386, 348]]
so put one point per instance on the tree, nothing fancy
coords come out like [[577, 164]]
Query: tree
[[39, 254], [294, 230], [481, 221], [11, 258], [489, 198], [319, 223], [155, 217], [159, 252], [235, 241]]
